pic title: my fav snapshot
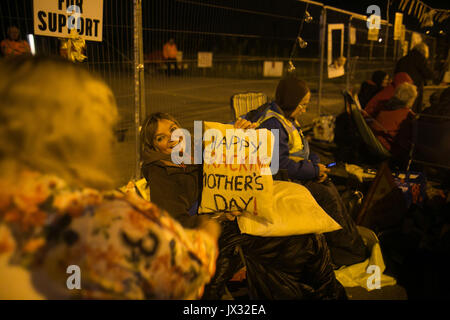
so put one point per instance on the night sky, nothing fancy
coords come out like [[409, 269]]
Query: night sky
[[230, 27]]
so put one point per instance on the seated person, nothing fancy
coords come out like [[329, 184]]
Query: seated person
[[434, 102], [392, 122], [304, 167], [294, 267], [439, 104], [55, 208], [370, 88], [386, 94], [13, 45], [433, 134]]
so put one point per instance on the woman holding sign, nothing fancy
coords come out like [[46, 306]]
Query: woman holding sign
[[303, 166], [277, 267]]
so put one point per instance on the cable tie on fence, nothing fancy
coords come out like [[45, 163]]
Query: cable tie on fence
[[302, 43], [308, 17]]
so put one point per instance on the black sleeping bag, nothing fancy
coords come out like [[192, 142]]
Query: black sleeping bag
[[294, 267]]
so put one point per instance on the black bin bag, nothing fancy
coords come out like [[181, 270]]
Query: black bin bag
[[278, 268]]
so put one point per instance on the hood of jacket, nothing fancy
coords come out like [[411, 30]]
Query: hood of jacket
[[150, 156]]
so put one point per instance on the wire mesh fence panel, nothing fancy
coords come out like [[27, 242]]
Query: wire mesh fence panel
[[350, 39], [224, 47], [112, 59]]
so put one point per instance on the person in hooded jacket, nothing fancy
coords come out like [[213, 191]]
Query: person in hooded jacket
[[416, 65], [370, 88], [304, 167], [393, 121], [293, 267], [386, 94]]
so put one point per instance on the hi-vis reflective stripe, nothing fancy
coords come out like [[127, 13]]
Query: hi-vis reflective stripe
[[295, 137]]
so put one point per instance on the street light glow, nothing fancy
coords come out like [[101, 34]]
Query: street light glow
[[31, 42]]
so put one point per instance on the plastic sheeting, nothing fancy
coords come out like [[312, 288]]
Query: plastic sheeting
[[361, 274], [294, 267]]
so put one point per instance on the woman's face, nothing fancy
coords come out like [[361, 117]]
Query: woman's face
[[163, 136], [301, 106]]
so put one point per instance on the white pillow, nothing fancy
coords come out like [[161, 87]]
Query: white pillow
[[295, 212]]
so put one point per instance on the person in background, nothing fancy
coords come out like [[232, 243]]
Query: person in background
[[13, 45], [170, 55], [304, 167], [433, 136], [57, 213], [415, 63], [439, 103], [370, 88], [392, 123], [385, 94]]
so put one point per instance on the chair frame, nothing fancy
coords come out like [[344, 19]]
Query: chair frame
[[249, 107], [353, 108]]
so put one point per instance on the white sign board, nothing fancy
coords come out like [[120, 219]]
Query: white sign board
[[402, 35], [204, 59], [352, 35], [416, 38], [398, 25], [334, 69], [405, 48], [273, 69], [372, 34], [55, 18], [179, 56]]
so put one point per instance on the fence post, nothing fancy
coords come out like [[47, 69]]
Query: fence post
[[387, 30], [394, 55], [349, 66], [323, 19], [433, 56], [139, 88]]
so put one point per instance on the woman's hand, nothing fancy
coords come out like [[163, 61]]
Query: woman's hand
[[323, 170], [244, 124], [232, 215], [210, 226]]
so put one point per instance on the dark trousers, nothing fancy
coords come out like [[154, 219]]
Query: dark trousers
[[170, 63], [346, 245], [418, 103]]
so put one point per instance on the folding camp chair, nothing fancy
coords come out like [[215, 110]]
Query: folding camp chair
[[431, 147], [242, 103], [371, 142]]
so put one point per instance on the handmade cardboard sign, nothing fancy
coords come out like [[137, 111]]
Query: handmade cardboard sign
[[398, 25], [236, 170], [56, 18]]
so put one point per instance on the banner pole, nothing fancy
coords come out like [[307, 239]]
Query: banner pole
[[322, 51], [139, 92]]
